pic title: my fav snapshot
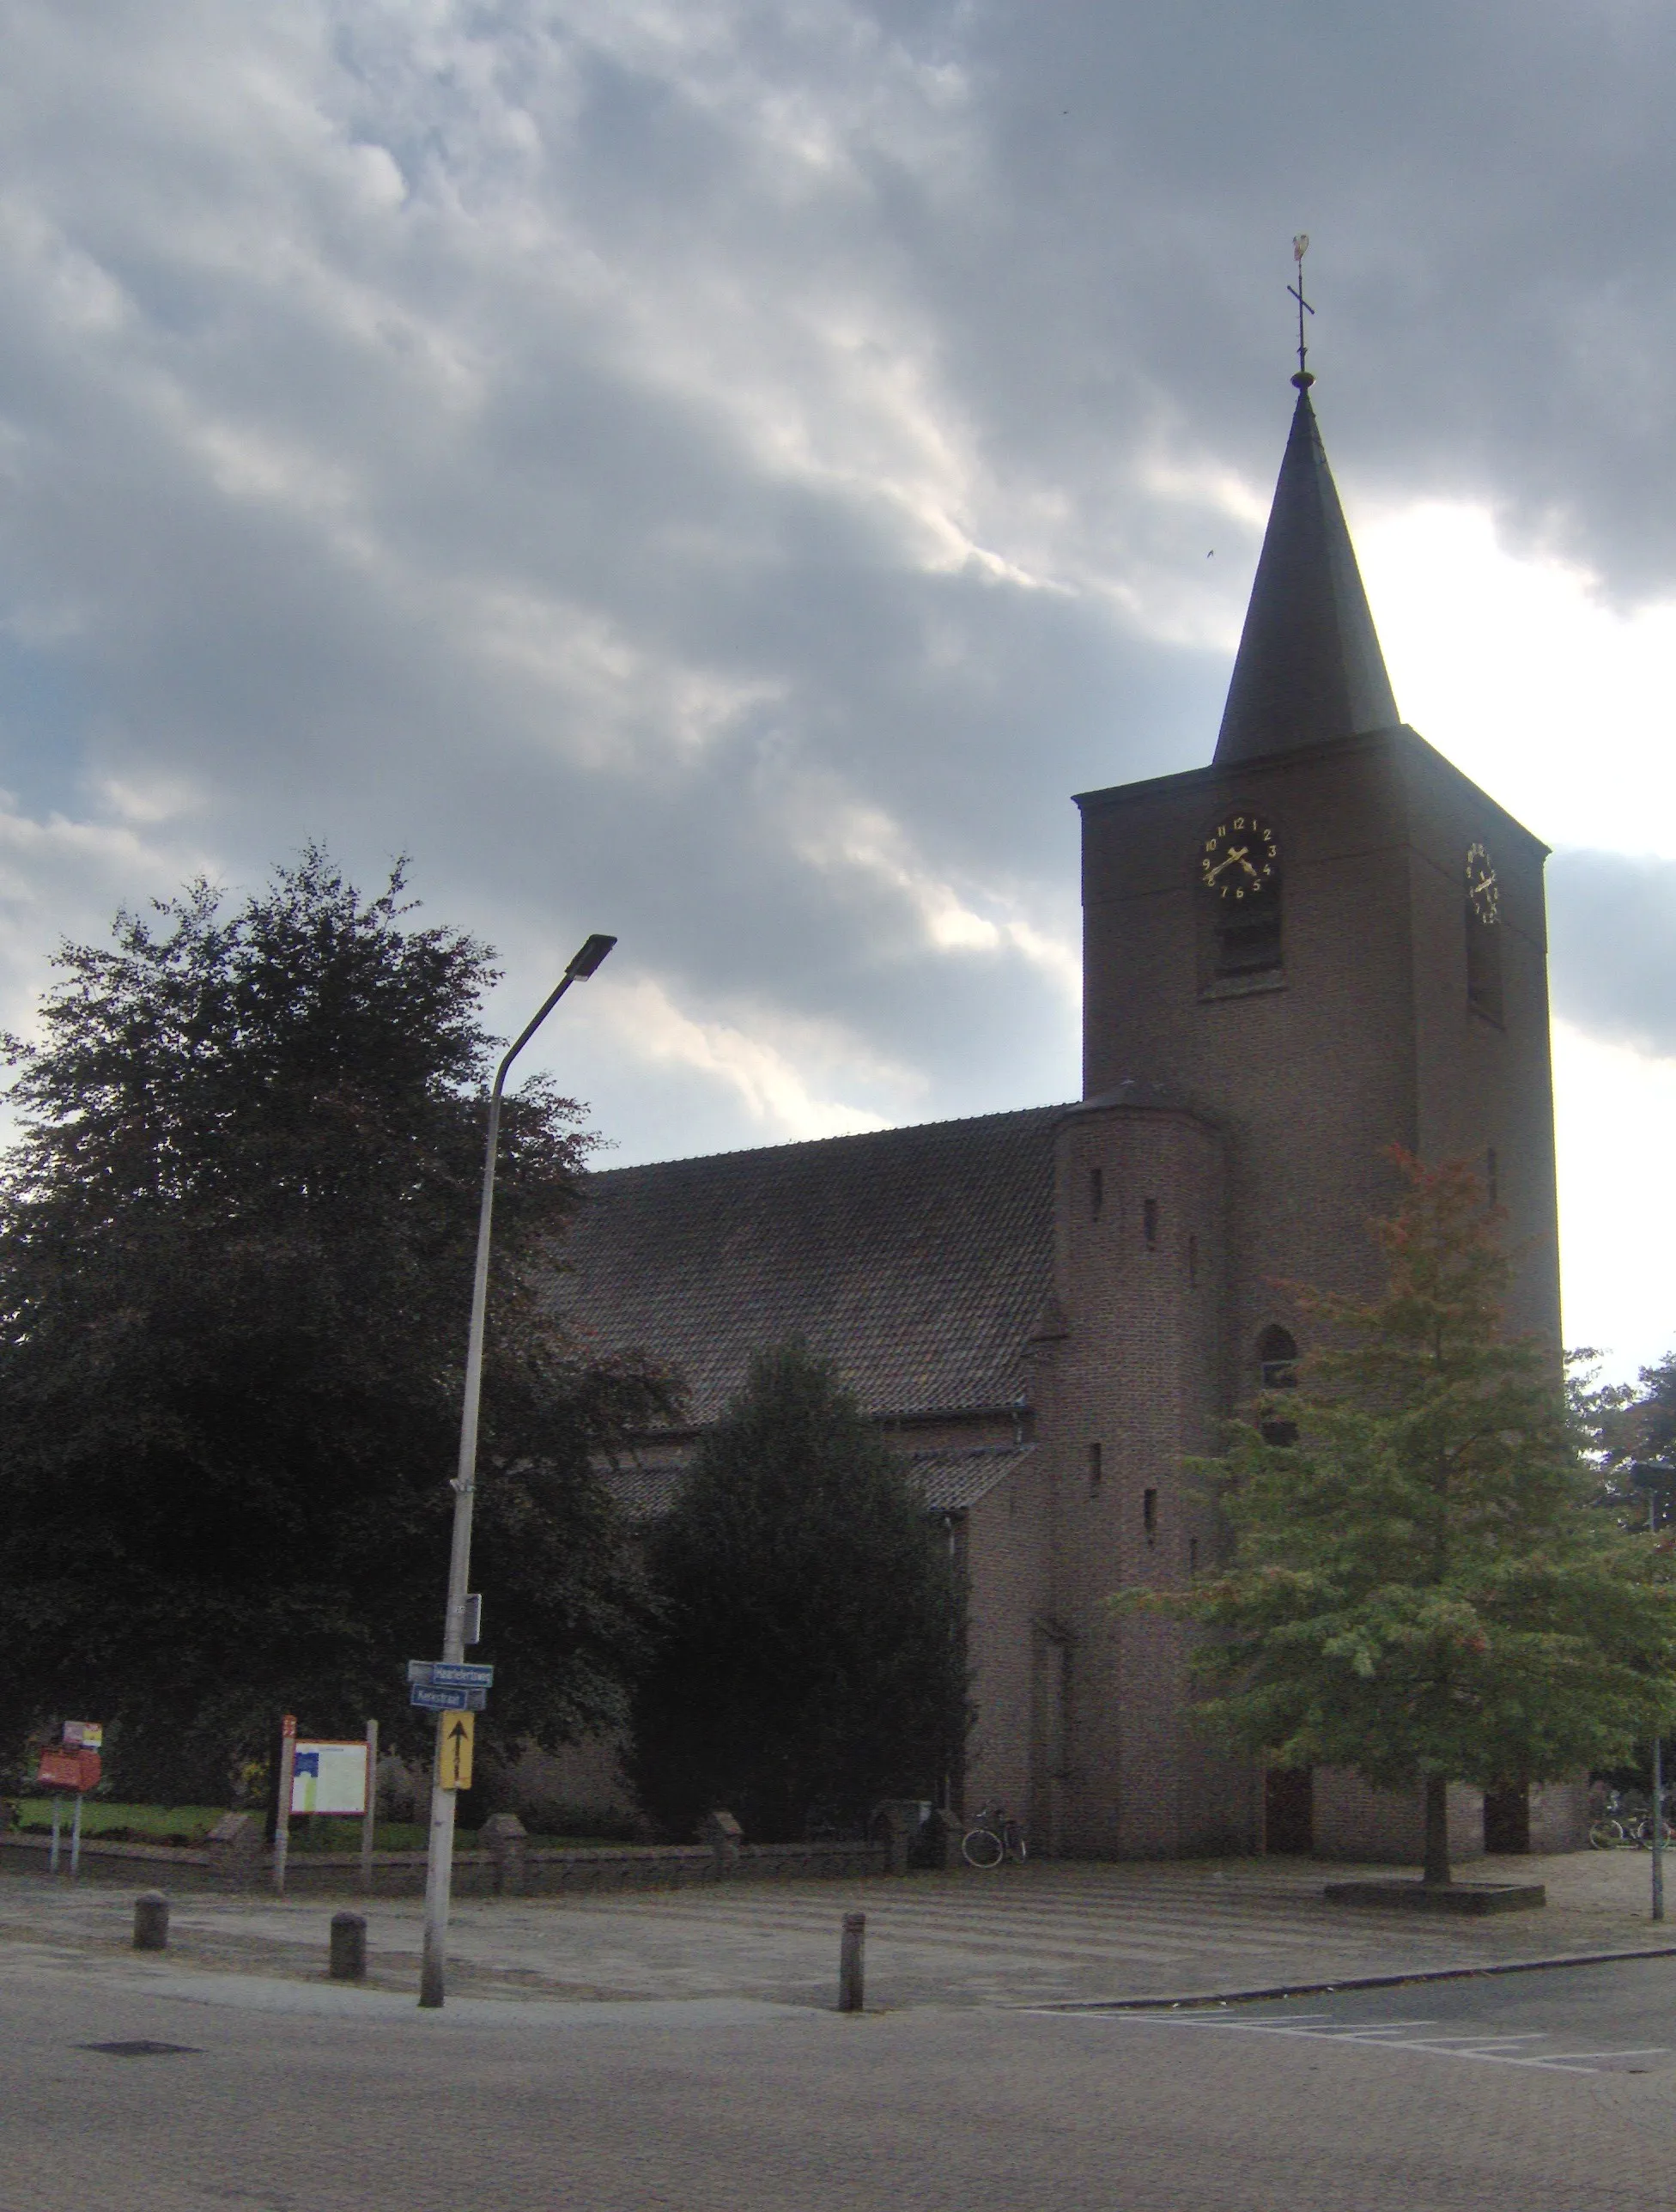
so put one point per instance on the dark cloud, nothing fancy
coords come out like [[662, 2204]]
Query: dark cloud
[[728, 475]]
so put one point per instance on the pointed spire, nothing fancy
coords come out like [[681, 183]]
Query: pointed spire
[[1310, 667]]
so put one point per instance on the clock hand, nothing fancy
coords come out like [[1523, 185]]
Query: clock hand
[[1227, 860]]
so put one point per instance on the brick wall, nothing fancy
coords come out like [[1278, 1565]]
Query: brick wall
[[1006, 1539], [1131, 1374], [1353, 1821]]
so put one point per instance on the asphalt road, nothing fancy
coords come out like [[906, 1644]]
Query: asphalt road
[[290, 2098], [1585, 2020]]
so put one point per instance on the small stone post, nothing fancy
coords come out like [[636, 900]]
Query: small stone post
[[506, 1840], [946, 1829], [233, 1847], [724, 1835], [151, 1921], [851, 1962], [901, 1817], [348, 1947]]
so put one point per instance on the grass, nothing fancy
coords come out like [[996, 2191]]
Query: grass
[[188, 1825], [126, 1824]]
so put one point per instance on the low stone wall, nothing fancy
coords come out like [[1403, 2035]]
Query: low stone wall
[[514, 1864]]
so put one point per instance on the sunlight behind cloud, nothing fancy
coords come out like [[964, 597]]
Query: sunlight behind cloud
[[1614, 1111], [1518, 670], [776, 1087]]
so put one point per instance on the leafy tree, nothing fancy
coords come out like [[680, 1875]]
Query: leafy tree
[[812, 1650], [1419, 1590], [1623, 1423], [235, 1250]]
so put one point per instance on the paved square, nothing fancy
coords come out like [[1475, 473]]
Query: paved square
[[1042, 1933]]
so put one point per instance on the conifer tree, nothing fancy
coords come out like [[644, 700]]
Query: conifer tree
[[1422, 1587], [811, 1659]]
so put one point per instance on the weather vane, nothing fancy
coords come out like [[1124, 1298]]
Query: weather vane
[[1300, 247]]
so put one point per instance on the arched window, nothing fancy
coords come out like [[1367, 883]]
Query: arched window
[[1276, 1359], [1277, 1367]]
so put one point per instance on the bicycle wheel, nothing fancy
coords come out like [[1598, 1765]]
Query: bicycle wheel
[[1015, 1847], [1606, 1836], [981, 1847]]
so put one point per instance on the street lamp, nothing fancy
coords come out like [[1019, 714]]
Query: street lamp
[[440, 1860], [1655, 1477]]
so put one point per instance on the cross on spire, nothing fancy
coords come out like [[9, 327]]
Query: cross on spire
[[1309, 669], [1300, 247]]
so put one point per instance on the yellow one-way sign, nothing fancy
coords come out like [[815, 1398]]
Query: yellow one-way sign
[[453, 1754]]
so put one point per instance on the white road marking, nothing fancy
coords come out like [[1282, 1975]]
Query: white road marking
[[1647, 2050], [1487, 2046]]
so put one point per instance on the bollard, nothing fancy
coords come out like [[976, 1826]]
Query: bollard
[[724, 1835], [348, 1947], [151, 1921], [850, 1977], [902, 1819]]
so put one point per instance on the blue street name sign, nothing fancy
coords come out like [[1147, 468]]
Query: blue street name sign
[[441, 1699], [451, 1674]]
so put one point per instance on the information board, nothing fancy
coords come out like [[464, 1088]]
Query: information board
[[328, 1777]]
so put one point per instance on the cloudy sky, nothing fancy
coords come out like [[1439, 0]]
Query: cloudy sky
[[725, 473]]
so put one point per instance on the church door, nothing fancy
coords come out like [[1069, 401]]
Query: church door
[[1507, 1821], [1289, 1810]]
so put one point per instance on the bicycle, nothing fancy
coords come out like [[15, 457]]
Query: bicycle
[[1626, 1824], [994, 1836], [1640, 1830]]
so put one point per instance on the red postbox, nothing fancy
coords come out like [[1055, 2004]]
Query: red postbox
[[69, 1769]]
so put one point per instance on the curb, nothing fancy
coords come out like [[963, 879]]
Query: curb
[[1352, 1981]]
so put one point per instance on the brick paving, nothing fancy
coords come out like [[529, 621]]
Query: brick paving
[[1042, 1934], [731, 2106]]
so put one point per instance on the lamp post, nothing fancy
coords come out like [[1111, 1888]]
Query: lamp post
[[1655, 1477], [440, 1860]]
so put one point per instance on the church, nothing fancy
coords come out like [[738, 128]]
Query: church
[[1324, 942]]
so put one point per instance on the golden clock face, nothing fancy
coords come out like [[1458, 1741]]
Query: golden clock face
[[1483, 893], [1238, 858]]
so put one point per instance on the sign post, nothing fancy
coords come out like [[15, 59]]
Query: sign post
[[1656, 1477], [369, 1818], [288, 1753]]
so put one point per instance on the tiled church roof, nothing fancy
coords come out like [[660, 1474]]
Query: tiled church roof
[[951, 1480], [917, 1259]]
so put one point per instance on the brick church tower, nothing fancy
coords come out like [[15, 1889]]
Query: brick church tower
[[1327, 942]]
